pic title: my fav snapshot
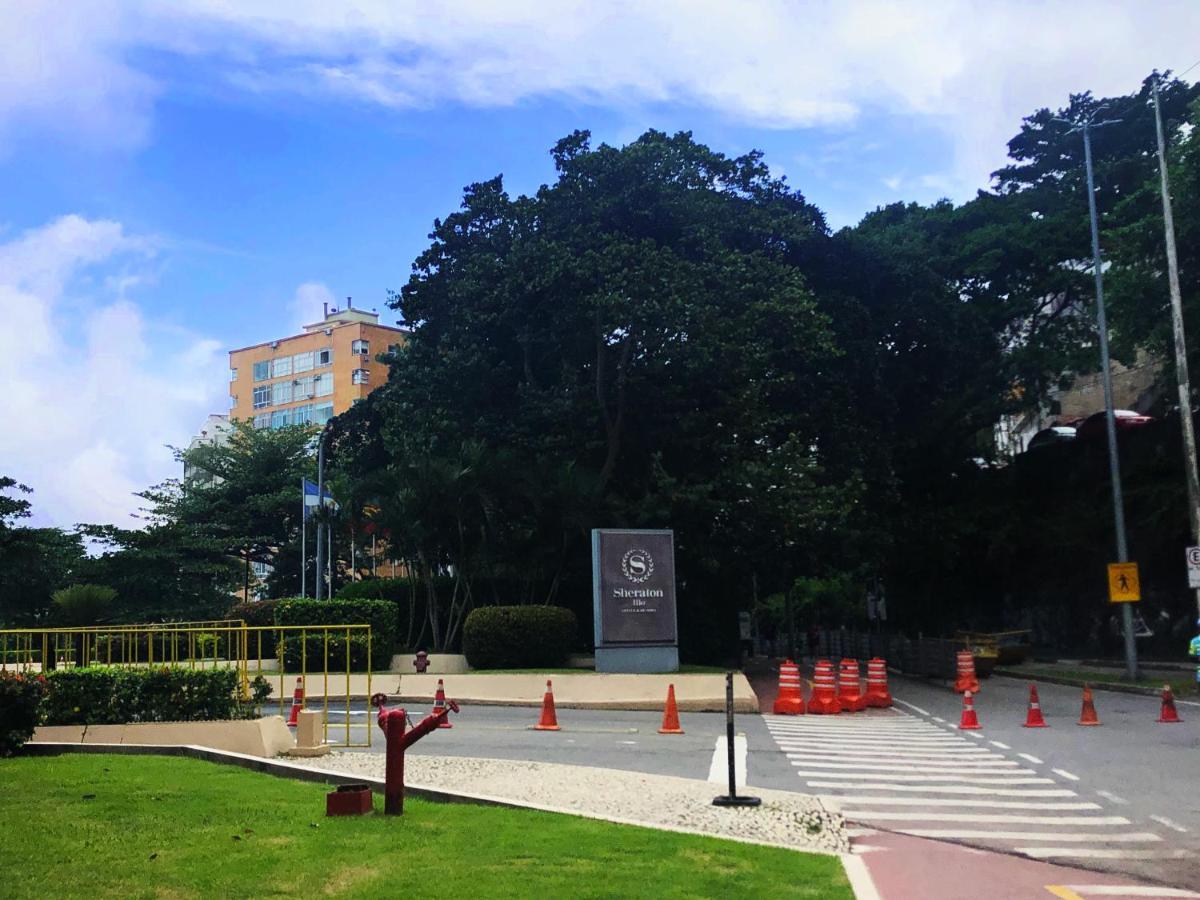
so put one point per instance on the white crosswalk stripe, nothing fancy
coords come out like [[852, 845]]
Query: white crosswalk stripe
[[896, 771]]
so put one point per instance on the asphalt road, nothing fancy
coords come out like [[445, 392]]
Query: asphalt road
[[1123, 797]]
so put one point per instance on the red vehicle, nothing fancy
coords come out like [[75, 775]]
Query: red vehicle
[[1093, 426]]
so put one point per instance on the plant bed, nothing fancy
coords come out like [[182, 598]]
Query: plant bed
[[151, 826]]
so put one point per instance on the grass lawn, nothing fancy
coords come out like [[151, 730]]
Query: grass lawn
[[163, 827], [1182, 684]]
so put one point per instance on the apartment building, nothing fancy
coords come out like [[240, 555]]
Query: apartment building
[[311, 377]]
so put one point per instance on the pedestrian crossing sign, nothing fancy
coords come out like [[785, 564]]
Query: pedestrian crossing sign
[[1123, 585]]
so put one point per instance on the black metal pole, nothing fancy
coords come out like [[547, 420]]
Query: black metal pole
[[732, 799]]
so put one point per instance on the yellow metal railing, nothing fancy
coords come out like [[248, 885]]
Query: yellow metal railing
[[278, 654]]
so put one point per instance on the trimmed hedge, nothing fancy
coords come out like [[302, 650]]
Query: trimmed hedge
[[109, 695], [379, 614], [519, 637], [20, 696], [258, 613]]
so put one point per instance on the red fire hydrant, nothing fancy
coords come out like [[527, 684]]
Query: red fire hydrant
[[421, 663], [393, 723]]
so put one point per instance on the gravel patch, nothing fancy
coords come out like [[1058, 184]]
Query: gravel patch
[[785, 819]]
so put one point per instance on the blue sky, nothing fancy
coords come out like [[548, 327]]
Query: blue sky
[[180, 179]]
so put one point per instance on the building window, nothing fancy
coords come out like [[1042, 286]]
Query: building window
[[232, 400], [393, 348], [281, 417], [363, 348], [323, 384], [322, 413], [262, 396], [325, 357], [304, 388], [302, 415], [360, 376], [262, 370], [262, 420], [233, 374], [282, 392], [302, 362], [281, 366]]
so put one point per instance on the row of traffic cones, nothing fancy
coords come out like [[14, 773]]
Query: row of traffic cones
[[832, 695], [549, 718], [1087, 716]]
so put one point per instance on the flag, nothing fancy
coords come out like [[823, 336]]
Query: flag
[[310, 496]]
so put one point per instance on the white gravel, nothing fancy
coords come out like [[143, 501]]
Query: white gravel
[[785, 819]]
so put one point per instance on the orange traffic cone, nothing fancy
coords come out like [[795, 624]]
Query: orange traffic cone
[[824, 700], [790, 700], [1088, 716], [297, 703], [549, 721], [670, 723], [877, 685], [850, 688], [967, 680], [439, 703], [1169, 713], [969, 721], [1033, 718]]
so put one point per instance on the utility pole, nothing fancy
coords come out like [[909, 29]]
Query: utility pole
[[1181, 364], [1114, 466], [321, 509]]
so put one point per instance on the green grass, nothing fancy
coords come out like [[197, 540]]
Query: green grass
[[1182, 684], [164, 827]]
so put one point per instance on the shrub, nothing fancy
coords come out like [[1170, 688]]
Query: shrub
[[518, 637], [107, 695], [20, 697], [379, 614], [257, 613], [83, 604]]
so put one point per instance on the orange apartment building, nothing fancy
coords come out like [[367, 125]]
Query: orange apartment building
[[311, 377]]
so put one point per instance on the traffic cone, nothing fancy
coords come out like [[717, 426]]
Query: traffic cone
[[790, 700], [549, 721], [849, 687], [967, 680], [877, 695], [969, 721], [1033, 718], [824, 699], [297, 704], [439, 704], [1169, 713], [670, 723], [1088, 716]]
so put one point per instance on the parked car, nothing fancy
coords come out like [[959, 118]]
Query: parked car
[[1093, 426], [1057, 434]]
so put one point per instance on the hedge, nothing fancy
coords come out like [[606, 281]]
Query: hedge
[[519, 637], [256, 613], [108, 695], [379, 614], [20, 696]]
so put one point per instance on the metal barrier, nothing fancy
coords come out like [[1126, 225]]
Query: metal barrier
[[267, 659]]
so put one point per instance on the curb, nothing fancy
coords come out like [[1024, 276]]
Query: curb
[[741, 706], [282, 769], [1113, 687]]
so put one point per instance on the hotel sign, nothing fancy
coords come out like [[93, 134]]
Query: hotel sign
[[634, 587]]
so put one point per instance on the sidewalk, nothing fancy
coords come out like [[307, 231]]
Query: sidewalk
[[585, 690]]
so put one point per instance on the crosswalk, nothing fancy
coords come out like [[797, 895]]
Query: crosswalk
[[898, 772]]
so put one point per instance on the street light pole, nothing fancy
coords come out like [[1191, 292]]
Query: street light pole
[[1114, 466], [321, 509], [1181, 364]]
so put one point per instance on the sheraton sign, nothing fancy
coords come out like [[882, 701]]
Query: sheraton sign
[[634, 600]]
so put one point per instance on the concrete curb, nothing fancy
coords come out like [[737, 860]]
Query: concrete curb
[[282, 769], [1115, 688]]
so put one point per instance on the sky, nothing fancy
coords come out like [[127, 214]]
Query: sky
[[179, 179]]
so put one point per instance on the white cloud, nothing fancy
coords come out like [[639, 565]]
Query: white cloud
[[306, 306], [970, 68], [94, 390]]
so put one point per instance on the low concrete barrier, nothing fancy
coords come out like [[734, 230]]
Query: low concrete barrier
[[265, 737]]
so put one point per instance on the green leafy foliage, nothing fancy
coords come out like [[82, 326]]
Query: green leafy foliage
[[312, 648], [519, 637], [83, 604], [20, 700], [102, 695]]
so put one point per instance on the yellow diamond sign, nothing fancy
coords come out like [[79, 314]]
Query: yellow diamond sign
[[1123, 584]]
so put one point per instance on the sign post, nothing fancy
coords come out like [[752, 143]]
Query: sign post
[[633, 594]]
